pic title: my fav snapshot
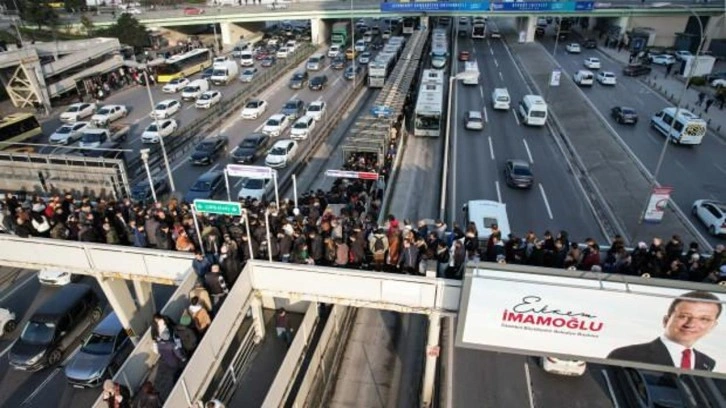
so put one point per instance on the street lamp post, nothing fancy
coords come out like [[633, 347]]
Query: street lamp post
[[145, 159], [158, 130]]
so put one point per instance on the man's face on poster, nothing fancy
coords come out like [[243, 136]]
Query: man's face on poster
[[690, 321]]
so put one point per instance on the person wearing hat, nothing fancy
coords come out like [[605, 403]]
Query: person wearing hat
[[116, 395]]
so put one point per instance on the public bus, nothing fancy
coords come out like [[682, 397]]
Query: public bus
[[18, 128], [429, 112], [184, 65], [439, 48], [409, 25]]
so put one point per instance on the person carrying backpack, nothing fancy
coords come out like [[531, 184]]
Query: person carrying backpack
[[378, 245]]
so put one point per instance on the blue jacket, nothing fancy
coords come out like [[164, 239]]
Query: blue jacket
[[201, 267]]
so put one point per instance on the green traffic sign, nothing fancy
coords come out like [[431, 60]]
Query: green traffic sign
[[217, 207]]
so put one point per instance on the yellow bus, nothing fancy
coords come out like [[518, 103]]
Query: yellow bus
[[184, 65], [18, 128]]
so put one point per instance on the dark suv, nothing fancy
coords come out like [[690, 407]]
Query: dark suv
[[298, 80]]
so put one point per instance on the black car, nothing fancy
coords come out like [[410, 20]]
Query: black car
[[636, 70], [141, 192], [518, 173], [207, 73], [590, 43], [624, 115], [293, 109], [250, 148], [298, 80], [338, 62], [539, 32], [318, 82], [208, 150], [206, 186]]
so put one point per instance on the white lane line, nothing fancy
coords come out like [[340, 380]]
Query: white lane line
[[211, 169], [721, 169], [501, 76], [547, 203], [18, 286], [481, 91], [491, 148], [189, 107], [486, 116], [528, 378], [515, 116], [496, 63], [2, 353], [41, 386], [529, 153], [611, 391], [491, 50], [499, 191], [521, 75]]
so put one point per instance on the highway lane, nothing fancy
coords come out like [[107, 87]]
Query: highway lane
[[555, 202], [47, 387], [185, 174], [695, 172]]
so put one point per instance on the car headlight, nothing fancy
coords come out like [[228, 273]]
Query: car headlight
[[98, 373], [35, 358]]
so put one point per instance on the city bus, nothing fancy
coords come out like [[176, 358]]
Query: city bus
[[409, 25], [184, 65], [18, 128], [429, 112]]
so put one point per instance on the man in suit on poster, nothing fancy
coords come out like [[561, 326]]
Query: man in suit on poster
[[690, 317]]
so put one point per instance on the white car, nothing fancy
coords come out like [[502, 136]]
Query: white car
[[282, 52], [368, 37], [712, 214], [276, 125], [559, 366], [108, 114], [248, 75], [334, 51], [360, 46], [302, 128], [364, 58], [316, 109], [254, 188], [592, 63], [8, 324], [254, 109], [662, 59], [151, 134], [606, 78], [718, 83], [208, 99], [281, 153], [54, 277], [386, 34], [473, 120], [166, 108], [584, 77], [291, 46], [682, 55], [68, 134], [573, 48], [78, 111], [175, 85], [131, 10]]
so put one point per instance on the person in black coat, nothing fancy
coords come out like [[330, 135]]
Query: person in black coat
[[690, 317]]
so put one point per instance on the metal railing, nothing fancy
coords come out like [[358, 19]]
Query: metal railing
[[234, 372]]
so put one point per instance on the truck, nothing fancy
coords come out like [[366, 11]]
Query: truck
[[340, 33], [224, 72], [104, 138]]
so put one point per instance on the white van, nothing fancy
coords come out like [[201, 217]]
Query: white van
[[195, 89], [224, 72], [533, 110], [686, 129], [584, 77], [246, 58], [470, 76], [484, 213], [500, 99]]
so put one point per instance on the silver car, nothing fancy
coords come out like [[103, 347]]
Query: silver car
[[102, 353]]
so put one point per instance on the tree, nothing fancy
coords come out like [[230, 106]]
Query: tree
[[128, 30], [87, 24], [38, 13]]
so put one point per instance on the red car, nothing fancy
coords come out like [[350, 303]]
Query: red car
[[464, 56], [193, 11], [261, 55]]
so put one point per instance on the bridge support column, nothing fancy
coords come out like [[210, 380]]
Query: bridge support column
[[529, 28], [232, 33], [319, 31], [258, 319], [432, 355], [145, 301], [624, 24], [119, 296]]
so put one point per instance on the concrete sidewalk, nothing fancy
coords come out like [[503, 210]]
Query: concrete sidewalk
[[670, 87]]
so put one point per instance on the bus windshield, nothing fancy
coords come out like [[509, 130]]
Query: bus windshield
[[18, 128]]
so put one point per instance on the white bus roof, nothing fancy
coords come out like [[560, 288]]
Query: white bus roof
[[484, 213], [432, 76], [186, 55], [430, 99]]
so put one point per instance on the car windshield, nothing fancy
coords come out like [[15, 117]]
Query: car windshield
[[91, 137], [248, 72], [301, 125], [176, 81], [252, 105], [314, 108], [521, 171], [298, 77], [63, 130], [254, 184], [191, 89], [151, 128], [38, 333], [161, 106], [248, 143], [291, 105], [205, 147], [202, 185], [273, 122], [628, 111], [314, 60], [206, 96], [98, 344], [104, 111], [278, 151], [317, 80], [74, 109]]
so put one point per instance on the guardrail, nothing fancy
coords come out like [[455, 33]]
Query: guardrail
[[321, 369], [280, 389], [142, 359], [245, 352], [180, 144]]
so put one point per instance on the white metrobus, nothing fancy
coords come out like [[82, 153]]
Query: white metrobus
[[533, 110], [429, 111], [687, 128]]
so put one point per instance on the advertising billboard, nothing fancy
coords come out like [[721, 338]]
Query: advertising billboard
[[648, 326]]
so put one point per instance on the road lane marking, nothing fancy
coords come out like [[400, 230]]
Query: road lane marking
[[491, 50], [721, 169], [528, 378], [499, 191], [41, 386], [547, 203], [501, 76], [611, 391], [515, 117], [481, 91], [529, 153], [5, 351], [491, 148], [486, 116], [521, 75], [496, 63], [18, 286]]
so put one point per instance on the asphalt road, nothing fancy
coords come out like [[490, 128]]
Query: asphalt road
[[47, 387], [695, 172], [478, 157]]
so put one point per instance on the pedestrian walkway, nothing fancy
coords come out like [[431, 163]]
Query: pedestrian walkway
[[670, 87]]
